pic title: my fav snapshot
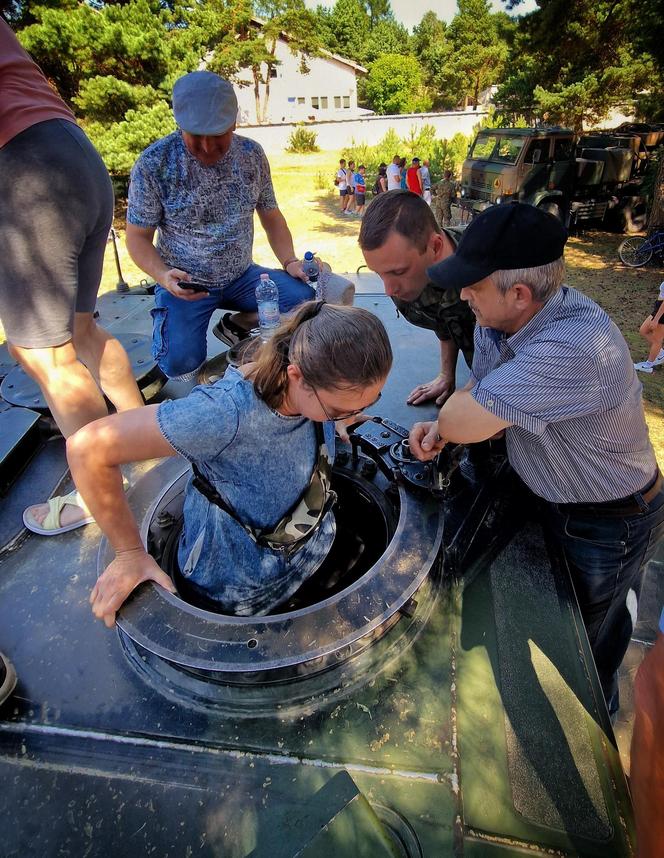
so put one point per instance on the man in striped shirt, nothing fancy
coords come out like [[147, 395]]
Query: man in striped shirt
[[553, 371]]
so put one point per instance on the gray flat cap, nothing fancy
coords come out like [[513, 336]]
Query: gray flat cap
[[204, 103]]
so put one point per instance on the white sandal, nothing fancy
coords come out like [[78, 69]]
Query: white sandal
[[51, 526]]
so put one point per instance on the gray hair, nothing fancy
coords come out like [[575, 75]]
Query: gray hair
[[543, 281]]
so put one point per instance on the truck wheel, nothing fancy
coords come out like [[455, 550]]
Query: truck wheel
[[551, 208], [635, 252]]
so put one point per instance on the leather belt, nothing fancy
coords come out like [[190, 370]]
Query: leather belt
[[621, 507]]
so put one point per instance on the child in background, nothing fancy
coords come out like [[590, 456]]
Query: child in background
[[350, 208], [652, 330], [360, 190]]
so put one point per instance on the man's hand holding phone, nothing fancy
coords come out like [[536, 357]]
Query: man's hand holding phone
[[180, 284]]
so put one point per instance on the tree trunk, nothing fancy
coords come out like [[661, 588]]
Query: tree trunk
[[656, 218], [256, 72], [270, 66]]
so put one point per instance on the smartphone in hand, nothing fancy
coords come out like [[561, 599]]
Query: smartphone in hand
[[193, 286]]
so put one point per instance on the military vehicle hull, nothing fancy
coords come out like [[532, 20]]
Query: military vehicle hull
[[460, 716]]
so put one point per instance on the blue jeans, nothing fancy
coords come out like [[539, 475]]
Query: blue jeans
[[606, 557], [179, 330]]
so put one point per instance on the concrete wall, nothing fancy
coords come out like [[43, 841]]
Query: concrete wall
[[369, 129]]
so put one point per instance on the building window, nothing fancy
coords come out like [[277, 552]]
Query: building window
[[323, 102], [314, 102], [291, 99], [337, 101], [301, 99], [346, 101], [273, 71]]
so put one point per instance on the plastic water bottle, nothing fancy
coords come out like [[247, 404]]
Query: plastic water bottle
[[267, 299], [310, 268]]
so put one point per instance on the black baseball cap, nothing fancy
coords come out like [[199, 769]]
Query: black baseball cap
[[501, 238]]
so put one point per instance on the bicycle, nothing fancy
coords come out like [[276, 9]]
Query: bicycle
[[638, 251]]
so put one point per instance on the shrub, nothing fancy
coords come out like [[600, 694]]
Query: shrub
[[121, 143], [321, 181], [442, 154], [302, 141]]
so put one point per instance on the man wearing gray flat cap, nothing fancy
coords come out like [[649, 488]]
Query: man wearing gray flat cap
[[198, 188]]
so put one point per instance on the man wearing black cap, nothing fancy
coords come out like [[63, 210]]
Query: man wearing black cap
[[199, 188], [553, 371]]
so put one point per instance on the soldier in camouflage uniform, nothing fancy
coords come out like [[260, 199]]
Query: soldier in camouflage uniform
[[442, 194], [400, 239]]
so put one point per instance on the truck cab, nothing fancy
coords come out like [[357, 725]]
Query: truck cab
[[532, 165]]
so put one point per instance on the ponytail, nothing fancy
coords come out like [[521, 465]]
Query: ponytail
[[335, 347]]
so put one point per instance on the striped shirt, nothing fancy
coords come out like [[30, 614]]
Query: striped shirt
[[567, 384]]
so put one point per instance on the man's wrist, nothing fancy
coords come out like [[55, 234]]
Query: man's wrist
[[288, 262]]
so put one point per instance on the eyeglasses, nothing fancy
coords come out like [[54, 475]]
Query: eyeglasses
[[345, 415]]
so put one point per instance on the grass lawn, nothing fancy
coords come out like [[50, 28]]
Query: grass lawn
[[313, 216]]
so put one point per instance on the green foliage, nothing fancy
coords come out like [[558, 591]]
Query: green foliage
[[302, 140], [572, 61], [478, 53], [104, 97], [395, 85], [121, 143], [349, 26], [129, 42], [321, 181], [386, 37], [441, 154]]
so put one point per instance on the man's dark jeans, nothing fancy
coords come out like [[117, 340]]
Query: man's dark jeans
[[606, 557]]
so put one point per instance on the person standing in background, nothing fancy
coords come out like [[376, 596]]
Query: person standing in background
[[341, 181], [360, 190], [426, 181], [414, 178], [393, 173], [442, 195], [350, 178], [402, 174]]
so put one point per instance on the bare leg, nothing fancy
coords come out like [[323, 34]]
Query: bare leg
[[72, 392], [107, 362]]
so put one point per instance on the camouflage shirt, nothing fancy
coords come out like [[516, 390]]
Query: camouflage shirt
[[441, 310]]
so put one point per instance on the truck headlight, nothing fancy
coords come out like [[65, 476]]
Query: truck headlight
[[499, 200], [463, 192]]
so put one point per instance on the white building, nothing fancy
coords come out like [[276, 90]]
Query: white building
[[329, 91]]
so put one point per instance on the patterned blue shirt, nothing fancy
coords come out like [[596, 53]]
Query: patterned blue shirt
[[567, 384], [204, 216]]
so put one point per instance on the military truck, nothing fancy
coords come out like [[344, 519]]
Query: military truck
[[596, 176]]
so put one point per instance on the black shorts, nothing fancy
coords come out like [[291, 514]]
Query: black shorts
[[359, 199], [655, 308], [55, 217]]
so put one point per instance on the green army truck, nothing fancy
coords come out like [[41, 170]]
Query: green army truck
[[593, 177]]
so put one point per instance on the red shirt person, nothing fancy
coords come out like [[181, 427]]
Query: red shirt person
[[414, 178]]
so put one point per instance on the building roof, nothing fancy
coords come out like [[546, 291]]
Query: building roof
[[328, 54]]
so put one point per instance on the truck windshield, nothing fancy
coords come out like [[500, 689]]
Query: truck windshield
[[497, 147]]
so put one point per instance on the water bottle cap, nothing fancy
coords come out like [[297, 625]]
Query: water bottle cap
[[308, 255], [265, 276]]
